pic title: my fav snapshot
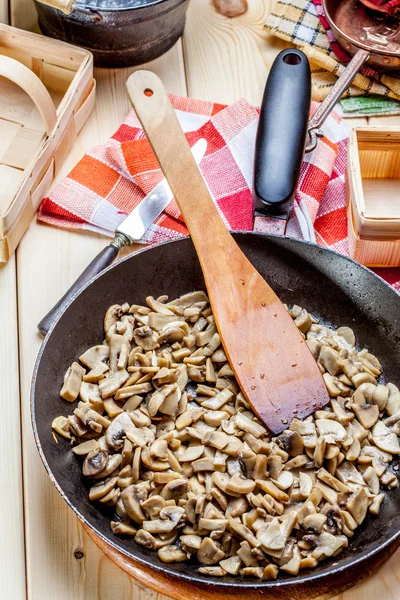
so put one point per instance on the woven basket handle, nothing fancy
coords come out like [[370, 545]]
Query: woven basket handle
[[66, 6], [27, 80]]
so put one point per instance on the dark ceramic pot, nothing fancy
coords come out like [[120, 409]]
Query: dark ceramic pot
[[119, 33]]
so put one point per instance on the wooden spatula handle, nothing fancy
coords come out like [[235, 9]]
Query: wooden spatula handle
[[168, 141]]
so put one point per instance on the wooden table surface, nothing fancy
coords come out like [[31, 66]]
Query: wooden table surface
[[218, 59]]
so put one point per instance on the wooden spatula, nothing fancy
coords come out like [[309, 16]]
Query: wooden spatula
[[273, 365]]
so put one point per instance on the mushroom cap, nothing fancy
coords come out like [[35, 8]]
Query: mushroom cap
[[131, 497], [117, 430], [94, 463]]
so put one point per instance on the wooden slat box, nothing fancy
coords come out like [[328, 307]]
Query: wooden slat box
[[47, 92], [373, 196]]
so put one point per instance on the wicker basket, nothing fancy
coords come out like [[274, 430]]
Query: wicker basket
[[47, 92]]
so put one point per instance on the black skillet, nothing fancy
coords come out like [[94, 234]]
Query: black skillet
[[334, 288]]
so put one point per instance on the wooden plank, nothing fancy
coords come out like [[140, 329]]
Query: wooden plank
[[52, 531], [12, 560], [23, 15], [227, 59], [4, 11]]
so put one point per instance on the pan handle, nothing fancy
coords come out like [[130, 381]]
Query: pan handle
[[281, 134], [100, 262], [334, 96]]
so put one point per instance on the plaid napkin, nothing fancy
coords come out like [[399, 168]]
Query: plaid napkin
[[303, 23], [113, 178]]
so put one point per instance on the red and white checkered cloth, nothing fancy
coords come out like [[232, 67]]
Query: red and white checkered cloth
[[113, 178]]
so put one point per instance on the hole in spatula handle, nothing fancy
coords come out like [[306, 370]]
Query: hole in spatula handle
[[292, 59], [148, 92]]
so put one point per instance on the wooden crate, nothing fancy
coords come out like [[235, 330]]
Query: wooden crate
[[373, 196], [47, 92]]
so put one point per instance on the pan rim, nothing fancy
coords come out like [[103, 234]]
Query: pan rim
[[351, 40], [240, 585]]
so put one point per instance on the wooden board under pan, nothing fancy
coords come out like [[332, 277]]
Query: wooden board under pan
[[373, 196], [47, 92]]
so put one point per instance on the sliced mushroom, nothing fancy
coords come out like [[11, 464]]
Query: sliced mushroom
[[94, 463], [144, 538], [374, 507], [110, 319], [95, 374], [347, 334], [385, 439], [172, 554], [145, 337], [357, 505], [372, 480], [123, 528], [139, 436], [314, 523], [85, 447], [327, 545], [209, 552], [243, 532], [291, 442], [112, 409], [192, 453], [305, 485], [119, 350], [101, 489], [274, 464], [270, 572], [249, 425], [216, 439], [175, 489], [72, 382], [368, 414], [334, 483], [152, 463], [331, 430], [117, 430], [393, 402], [275, 535], [231, 565], [131, 498], [239, 485], [328, 358], [303, 321], [113, 463], [218, 401], [95, 355], [110, 385], [61, 426], [173, 333], [293, 566]]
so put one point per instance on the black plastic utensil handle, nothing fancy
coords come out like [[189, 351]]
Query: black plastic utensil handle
[[100, 262], [281, 134]]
